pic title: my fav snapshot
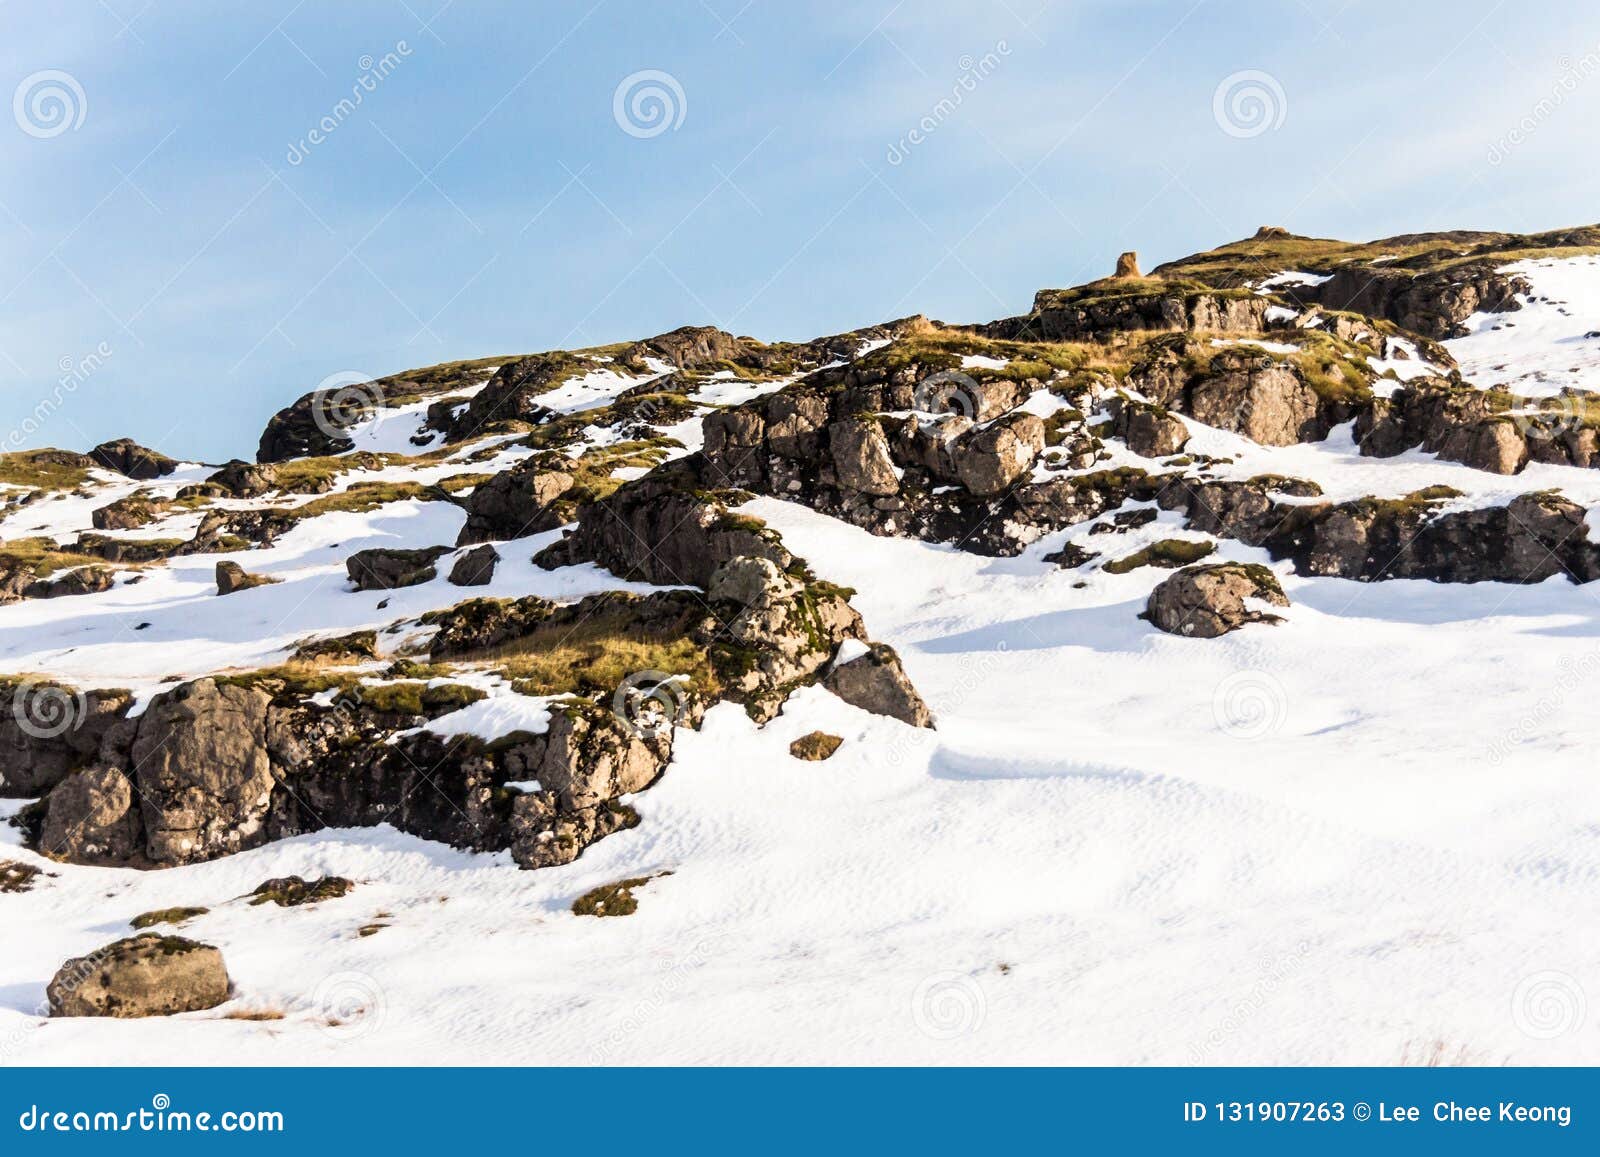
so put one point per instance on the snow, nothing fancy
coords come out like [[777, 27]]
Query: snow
[[983, 362], [504, 712], [1337, 840], [1542, 348], [1292, 277]]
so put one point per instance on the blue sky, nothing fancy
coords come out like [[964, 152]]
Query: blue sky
[[484, 198]]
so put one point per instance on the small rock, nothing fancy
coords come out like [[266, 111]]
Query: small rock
[[232, 577], [475, 568], [817, 746], [145, 975], [1128, 265]]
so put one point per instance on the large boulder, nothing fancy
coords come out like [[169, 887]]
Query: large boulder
[[204, 779], [387, 569], [875, 681], [992, 458], [1257, 396], [1204, 602], [90, 818], [125, 456], [1151, 430], [861, 458], [146, 975], [515, 503]]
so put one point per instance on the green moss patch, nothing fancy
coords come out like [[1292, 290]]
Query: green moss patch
[[1169, 554]]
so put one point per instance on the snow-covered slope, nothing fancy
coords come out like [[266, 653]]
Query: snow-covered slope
[[1367, 835]]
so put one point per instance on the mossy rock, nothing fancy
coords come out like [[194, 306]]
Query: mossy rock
[[1169, 554], [816, 746], [166, 916], [612, 899], [16, 876], [292, 891]]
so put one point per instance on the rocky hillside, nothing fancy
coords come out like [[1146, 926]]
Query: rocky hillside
[[488, 603]]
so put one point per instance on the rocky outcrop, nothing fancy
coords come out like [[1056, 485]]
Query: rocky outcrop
[[1241, 390], [475, 568], [1434, 304], [128, 513], [20, 582], [1532, 538], [232, 577], [125, 456], [313, 426], [1205, 602], [1483, 429], [517, 502], [664, 529], [512, 394], [387, 568], [48, 730], [146, 975], [1128, 265], [1124, 305], [242, 479], [875, 681]]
